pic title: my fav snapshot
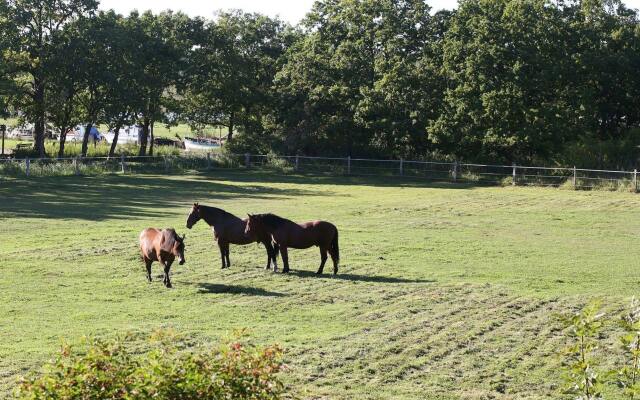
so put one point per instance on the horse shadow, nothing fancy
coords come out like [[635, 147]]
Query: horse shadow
[[360, 278], [216, 288]]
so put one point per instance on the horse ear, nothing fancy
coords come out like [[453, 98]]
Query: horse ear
[[250, 216], [184, 236], [196, 205]]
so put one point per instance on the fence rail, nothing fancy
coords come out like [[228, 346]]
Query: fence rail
[[580, 178]]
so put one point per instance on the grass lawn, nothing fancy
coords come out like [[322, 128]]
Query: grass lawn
[[445, 291]]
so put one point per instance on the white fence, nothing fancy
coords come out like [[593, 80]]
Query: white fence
[[423, 170]]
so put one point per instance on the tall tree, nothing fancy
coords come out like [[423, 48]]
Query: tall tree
[[506, 73], [365, 79], [36, 24], [232, 71], [164, 43], [65, 82]]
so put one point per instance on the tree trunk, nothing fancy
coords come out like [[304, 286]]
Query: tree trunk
[[114, 143], [151, 136], [145, 137], [63, 139], [38, 134], [230, 133], [85, 138]]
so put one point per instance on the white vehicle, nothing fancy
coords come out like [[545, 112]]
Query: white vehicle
[[200, 144], [127, 134]]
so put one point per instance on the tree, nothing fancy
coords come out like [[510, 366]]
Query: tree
[[121, 100], [65, 82], [364, 80], [35, 25], [232, 71], [161, 56]]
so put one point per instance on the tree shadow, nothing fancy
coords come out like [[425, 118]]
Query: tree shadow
[[359, 278], [214, 288], [126, 197], [267, 176]]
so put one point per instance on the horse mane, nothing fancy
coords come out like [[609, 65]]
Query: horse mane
[[214, 212], [272, 221]]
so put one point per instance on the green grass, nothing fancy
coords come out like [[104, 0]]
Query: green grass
[[445, 291]]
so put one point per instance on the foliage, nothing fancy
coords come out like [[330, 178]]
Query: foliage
[[231, 72], [582, 376], [33, 28], [628, 375], [489, 82], [169, 369]]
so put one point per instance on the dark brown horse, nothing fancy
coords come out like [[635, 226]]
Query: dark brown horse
[[286, 233], [162, 246], [229, 229]]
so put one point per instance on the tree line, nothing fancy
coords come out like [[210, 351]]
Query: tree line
[[495, 80]]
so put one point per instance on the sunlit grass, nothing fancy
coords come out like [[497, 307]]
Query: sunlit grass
[[444, 291]]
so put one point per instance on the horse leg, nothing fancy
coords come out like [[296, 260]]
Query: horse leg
[[270, 254], [334, 258], [221, 247], [167, 280], [276, 249], [147, 263], [226, 252], [323, 259], [285, 259]]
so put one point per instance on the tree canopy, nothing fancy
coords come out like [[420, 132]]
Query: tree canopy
[[495, 80]]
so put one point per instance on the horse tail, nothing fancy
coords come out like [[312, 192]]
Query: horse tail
[[335, 249], [276, 249]]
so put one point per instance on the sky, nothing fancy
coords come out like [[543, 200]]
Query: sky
[[289, 10]]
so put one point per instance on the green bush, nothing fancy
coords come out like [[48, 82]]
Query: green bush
[[170, 369]]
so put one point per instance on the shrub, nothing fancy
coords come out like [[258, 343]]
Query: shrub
[[582, 377], [170, 369]]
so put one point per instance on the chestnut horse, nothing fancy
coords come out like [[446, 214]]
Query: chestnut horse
[[162, 246], [227, 228], [286, 233]]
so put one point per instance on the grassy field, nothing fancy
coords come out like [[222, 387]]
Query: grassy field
[[445, 291]]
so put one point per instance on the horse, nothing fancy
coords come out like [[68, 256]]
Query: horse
[[162, 246], [286, 233], [229, 229]]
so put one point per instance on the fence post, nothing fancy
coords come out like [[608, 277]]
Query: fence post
[[513, 175], [166, 164], [208, 160], [574, 176], [401, 167], [247, 160], [122, 162], [27, 163], [348, 165], [297, 163], [455, 170], [76, 168], [635, 180]]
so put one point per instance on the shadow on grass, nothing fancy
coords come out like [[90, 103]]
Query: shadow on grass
[[359, 278], [134, 196], [267, 176], [214, 288], [117, 196]]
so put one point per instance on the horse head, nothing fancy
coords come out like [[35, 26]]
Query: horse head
[[254, 225], [194, 215]]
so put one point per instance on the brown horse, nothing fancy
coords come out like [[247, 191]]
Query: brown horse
[[286, 233], [162, 246], [229, 229]]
